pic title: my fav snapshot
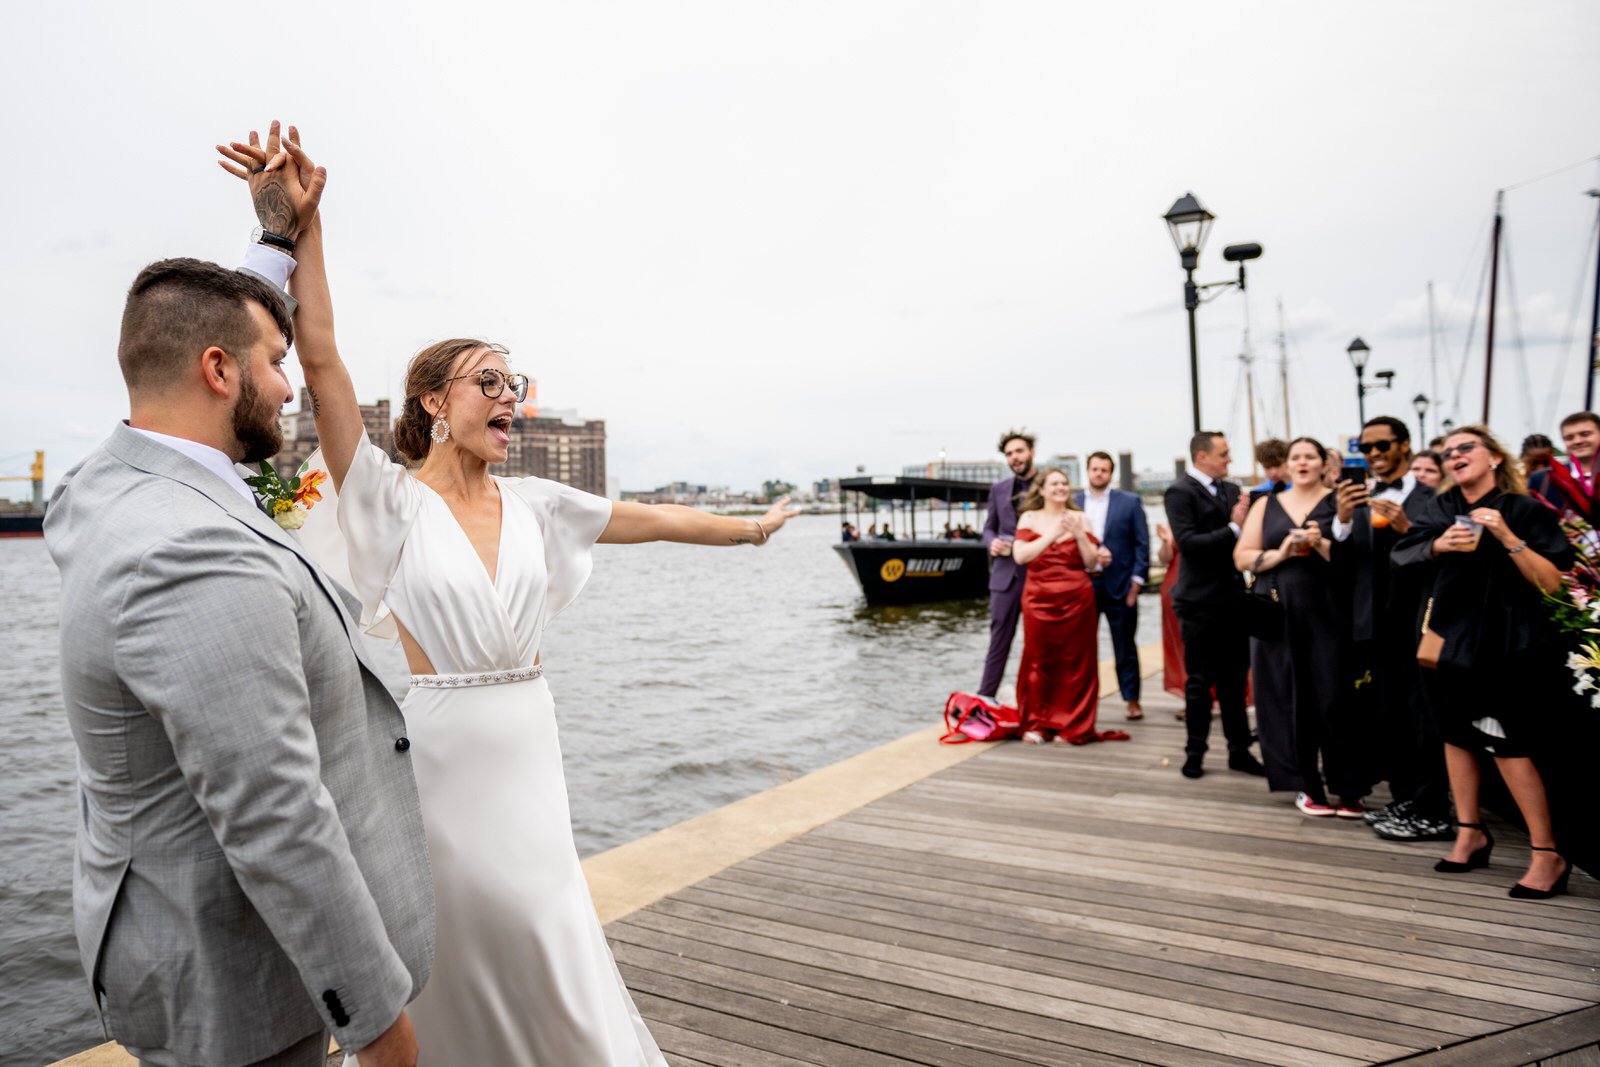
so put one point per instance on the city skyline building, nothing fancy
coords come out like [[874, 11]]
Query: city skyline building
[[559, 445]]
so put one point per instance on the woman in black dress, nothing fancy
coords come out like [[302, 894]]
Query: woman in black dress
[[1497, 550], [1306, 741]]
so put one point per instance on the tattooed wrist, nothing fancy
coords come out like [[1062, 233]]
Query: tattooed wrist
[[274, 210]]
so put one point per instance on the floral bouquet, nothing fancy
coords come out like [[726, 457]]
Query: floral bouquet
[[1576, 607], [287, 501]]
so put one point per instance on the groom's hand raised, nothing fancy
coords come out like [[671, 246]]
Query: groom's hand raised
[[284, 184], [395, 1047]]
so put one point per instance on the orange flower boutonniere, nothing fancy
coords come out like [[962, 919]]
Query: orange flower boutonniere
[[287, 500]]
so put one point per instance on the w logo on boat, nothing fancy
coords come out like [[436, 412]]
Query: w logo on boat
[[892, 570]]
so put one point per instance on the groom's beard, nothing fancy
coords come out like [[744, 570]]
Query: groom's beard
[[255, 424]]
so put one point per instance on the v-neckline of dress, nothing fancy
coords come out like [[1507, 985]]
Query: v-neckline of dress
[[500, 543], [1278, 499]]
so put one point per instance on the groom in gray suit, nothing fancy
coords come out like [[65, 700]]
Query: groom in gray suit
[[251, 871]]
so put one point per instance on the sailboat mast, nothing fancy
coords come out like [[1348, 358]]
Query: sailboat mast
[[1594, 324], [1283, 371], [1433, 348], [1250, 399], [1494, 285]]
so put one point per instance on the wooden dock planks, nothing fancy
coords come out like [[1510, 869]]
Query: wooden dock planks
[[1063, 905]]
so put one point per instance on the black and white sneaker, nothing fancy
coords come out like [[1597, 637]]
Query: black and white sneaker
[[1399, 809], [1415, 828]]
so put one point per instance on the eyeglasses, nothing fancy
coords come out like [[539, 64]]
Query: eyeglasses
[[493, 382], [1381, 447], [1463, 449]]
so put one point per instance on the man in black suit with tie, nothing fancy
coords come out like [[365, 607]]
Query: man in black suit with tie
[[1385, 606], [1205, 514]]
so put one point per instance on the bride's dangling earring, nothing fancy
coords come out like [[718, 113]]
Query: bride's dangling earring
[[440, 431]]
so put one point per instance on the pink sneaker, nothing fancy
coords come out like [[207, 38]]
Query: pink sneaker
[[1352, 810], [1311, 807]]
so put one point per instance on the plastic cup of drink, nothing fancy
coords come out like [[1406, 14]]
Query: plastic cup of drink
[[1474, 528], [1298, 539]]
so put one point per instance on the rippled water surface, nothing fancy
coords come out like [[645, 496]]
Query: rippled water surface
[[685, 678]]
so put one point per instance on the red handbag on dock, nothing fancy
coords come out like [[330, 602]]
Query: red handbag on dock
[[969, 717]]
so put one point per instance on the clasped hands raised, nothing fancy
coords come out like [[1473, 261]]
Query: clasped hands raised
[[285, 185]]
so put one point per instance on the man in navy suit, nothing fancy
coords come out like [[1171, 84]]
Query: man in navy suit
[[1005, 576], [1117, 519]]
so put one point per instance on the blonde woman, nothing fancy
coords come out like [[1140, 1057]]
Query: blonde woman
[[1058, 684], [1497, 551]]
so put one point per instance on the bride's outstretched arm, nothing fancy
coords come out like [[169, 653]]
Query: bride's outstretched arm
[[286, 189], [633, 523]]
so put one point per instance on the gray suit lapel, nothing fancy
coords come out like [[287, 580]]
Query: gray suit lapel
[[144, 454]]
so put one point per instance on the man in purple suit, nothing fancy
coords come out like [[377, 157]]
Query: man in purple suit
[[1005, 576]]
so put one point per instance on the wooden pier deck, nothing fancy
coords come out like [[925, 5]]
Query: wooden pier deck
[[999, 905], [1091, 906]]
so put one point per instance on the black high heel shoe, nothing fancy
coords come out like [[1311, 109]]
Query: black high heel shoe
[[1479, 857], [1527, 892]]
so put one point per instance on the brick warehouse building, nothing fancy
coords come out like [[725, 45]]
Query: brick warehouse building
[[557, 445]]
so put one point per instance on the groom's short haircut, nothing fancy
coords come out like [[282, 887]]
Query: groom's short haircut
[[178, 308]]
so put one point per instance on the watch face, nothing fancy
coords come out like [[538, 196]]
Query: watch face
[[255, 235]]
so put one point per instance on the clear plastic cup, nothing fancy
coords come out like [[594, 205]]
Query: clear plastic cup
[[1472, 527]]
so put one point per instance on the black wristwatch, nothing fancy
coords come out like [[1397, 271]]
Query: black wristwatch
[[274, 240]]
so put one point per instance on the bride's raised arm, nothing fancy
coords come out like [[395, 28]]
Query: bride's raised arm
[[286, 187]]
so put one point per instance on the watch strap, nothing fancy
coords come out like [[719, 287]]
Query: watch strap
[[276, 240]]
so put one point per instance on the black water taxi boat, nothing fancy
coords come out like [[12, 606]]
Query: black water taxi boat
[[917, 570]]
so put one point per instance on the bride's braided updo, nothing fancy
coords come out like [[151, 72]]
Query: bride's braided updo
[[428, 372]]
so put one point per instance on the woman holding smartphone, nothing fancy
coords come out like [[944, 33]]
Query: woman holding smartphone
[[1497, 551], [1300, 715]]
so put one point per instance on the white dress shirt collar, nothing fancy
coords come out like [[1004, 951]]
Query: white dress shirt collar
[[212, 459], [1097, 506], [1204, 479]]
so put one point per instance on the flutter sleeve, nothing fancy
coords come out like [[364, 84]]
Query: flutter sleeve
[[358, 532], [571, 522]]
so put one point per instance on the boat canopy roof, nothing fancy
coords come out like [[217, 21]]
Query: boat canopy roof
[[891, 487]]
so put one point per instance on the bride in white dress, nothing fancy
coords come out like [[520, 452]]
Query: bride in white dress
[[470, 568]]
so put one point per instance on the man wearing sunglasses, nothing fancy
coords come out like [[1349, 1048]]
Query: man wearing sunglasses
[[1370, 520]]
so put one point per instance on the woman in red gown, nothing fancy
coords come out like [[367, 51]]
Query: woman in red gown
[[1058, 684]]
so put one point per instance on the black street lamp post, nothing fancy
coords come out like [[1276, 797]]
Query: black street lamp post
[[1190, 224], [1420, 402], [1359, 354]]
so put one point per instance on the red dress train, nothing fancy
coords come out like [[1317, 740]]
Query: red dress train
[[1058, 684]]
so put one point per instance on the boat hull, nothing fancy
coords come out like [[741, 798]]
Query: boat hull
[[917, 572], [21, 525]]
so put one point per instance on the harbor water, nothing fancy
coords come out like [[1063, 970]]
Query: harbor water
[[685, 678]]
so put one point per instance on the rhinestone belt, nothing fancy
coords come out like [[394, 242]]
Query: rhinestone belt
[[454, 681]]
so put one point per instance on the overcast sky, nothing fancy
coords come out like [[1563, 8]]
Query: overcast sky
[[784, 239]]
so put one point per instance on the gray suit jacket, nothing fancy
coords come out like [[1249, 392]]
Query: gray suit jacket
[[251, 866]]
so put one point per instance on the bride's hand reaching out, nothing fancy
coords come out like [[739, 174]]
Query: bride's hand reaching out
[[779, 513]]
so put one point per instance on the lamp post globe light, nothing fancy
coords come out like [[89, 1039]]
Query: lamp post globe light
[[1420, 403], [1359, 354], [1189, 223]]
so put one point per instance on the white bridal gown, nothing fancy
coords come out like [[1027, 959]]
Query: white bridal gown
[[523, 975]]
